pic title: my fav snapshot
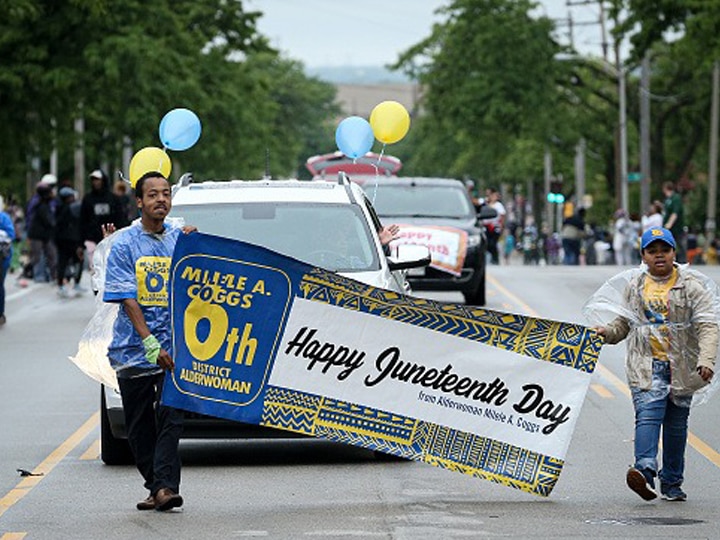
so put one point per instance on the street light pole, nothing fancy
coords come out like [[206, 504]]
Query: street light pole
[[623, 140], [621, 160], [710, 224]]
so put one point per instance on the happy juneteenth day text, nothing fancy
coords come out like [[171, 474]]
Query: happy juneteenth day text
[[389, 365]]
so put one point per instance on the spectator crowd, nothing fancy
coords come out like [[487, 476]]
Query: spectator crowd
[[577, 242], [53, 237]]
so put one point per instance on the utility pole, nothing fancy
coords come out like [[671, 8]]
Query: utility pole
[[79, 155], [622, 120], [580, 171], [54, 151], [621, 153], [645, 171], [712, 173], [548, 178], [603, 32]]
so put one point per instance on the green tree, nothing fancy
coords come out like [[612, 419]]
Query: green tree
[[122, 64]]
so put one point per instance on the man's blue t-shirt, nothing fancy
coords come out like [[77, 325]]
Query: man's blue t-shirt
[[138, 267]]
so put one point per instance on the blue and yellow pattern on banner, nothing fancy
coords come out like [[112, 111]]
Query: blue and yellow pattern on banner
[[264, 339]]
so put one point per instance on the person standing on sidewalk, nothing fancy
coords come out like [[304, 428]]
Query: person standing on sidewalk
[[41, 236], [669, 313], [7, 235], [69, 242], [100, 206], [136, 276], [674, 219], [494, 226]]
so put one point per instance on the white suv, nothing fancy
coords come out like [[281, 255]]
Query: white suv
[[327, 224]]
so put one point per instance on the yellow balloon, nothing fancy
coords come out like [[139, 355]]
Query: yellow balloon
[[149, 159], [390, 122]]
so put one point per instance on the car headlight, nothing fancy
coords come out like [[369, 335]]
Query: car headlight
[[473, 240]]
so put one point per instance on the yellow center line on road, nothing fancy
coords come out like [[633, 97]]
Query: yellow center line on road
[[13, 536], [698, 444], [602, 391], [93, 452], [48, 464]]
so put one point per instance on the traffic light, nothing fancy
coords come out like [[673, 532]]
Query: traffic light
[[555, 195]]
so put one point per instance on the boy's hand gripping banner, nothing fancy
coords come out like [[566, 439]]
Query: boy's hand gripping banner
[[264, 339]]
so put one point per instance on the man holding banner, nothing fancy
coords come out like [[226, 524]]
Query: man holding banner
[[141, 349], [267, 340]]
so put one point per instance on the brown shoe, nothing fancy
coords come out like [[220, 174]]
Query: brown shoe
[[166, 498], [147, 504]]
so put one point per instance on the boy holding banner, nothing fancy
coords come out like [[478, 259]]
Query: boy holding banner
[[136, 276], [669, 313]]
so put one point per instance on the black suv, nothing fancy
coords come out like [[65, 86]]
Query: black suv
[[436, 203]]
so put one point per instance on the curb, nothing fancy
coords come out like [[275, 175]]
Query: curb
[[21, 291]]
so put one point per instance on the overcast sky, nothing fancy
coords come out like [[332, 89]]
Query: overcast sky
[[324, 33]]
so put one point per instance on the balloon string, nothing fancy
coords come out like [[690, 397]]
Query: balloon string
[[122, 177], [377, 172]]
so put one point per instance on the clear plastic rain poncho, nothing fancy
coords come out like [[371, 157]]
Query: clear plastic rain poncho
[[92, 357], [621, 297]]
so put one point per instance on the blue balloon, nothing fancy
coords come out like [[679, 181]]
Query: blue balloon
[[179, 129], [354, 137]]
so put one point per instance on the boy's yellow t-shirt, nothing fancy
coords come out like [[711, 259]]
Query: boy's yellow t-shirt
[[655, 303]]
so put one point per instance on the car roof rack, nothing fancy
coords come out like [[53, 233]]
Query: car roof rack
[[344, 180], [185, 180]]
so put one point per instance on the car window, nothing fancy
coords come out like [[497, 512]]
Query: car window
[[395, 200], [335, 237]]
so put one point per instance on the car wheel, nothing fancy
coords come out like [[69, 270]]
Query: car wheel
[[113, 451], [476, 297]]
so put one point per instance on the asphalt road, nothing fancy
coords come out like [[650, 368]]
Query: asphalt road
[[314, 489]]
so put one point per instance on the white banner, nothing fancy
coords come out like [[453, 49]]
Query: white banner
[[430, 376], [447, 245]]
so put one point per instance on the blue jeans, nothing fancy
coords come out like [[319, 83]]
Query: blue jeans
[[4, 265], [655, 409]]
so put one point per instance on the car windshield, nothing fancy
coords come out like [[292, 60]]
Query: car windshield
[[335, 237], [415, 200]]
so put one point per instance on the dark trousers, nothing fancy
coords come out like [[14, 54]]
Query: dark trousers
[[492, 246], [43, 251], [571, 248], [153, 432], [68, 255]]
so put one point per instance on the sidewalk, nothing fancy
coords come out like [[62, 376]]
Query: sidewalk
[[16, 287]]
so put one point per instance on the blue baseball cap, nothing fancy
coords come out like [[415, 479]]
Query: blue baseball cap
[[657, 233]]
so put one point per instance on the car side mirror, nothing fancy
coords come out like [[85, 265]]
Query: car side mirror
[[487, 212], [409, 256]]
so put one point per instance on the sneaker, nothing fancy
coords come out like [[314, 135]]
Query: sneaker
[[79, 289], [672, 493], [642, 483], [63, 292]]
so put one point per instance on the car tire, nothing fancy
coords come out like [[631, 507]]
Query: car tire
[[476, 297], [113, 451]]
